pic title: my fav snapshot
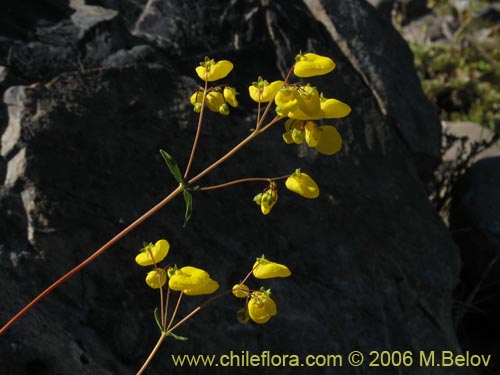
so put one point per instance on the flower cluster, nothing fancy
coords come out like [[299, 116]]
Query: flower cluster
[[259, 306], [189, 280], [302, 103], [216, 98]]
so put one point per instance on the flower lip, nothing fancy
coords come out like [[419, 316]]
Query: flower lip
[[261, 307], [302, 184], [311, 64], [266, 269], [192, 281], [210, 70], [153, 254]]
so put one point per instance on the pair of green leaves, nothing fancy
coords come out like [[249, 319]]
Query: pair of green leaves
[[176, 172]]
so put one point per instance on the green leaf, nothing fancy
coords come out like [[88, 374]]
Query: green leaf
[[172, 165], [188, 198], [177, 337], [158, 318]]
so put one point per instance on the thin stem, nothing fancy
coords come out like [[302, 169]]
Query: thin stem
[[153, 353], [91, 258], [197, 310], [162, 311], [249, 179], [164, 318], [198, 131], [175, 312]]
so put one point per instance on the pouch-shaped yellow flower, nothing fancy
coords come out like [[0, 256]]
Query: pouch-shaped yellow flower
[[265, 269], [261, 307], [192, 281], [312, 134], [302, 184], [212, 71], [156, 278], [310, 103], [330, 141], [240, 291], [230, 96], [333, 108], [214, 100], [311, 64], [158, 251], [287, 99], [263, 91]]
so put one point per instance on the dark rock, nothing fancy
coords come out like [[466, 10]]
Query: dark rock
[[373, 265], [407, 9], [475, 222], [135, 55]]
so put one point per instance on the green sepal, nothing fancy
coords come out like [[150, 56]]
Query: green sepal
[[177, 337], [188, 198], [242, 315], [172, 165], [158, 318]]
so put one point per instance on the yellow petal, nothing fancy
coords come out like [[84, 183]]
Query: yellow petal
[[287, 99], [302, 184], [240, 291], [261, 308], [264, 92], [213, 71], [265, 269], [156, 278], [313, 134], [230, 96], [333, 108], [268, 200], [311, 64], [330, 142], [214, 100], [159, 251], [310, 102], [192, 281]]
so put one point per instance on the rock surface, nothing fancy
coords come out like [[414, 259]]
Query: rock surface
[[475, 224], [373, 266]]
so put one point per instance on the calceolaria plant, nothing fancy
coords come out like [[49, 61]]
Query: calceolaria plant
[[302, 108]]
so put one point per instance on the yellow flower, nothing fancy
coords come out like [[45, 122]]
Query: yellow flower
[[330, 141], [263, 91], [196, 99], [333, 108], [230, 96], [302, 184], [210, 70], [311, 64], [261, 307], [156, 278], [310, 103], [158, 251], [312, 134], [214, 101], [287, 99], [240, 291], [192, 281], [267, 199], [265, 269]]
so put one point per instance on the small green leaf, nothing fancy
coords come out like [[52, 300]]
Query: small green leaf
[[177, 337], [172, 165], [189, 205], [158, 318]]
